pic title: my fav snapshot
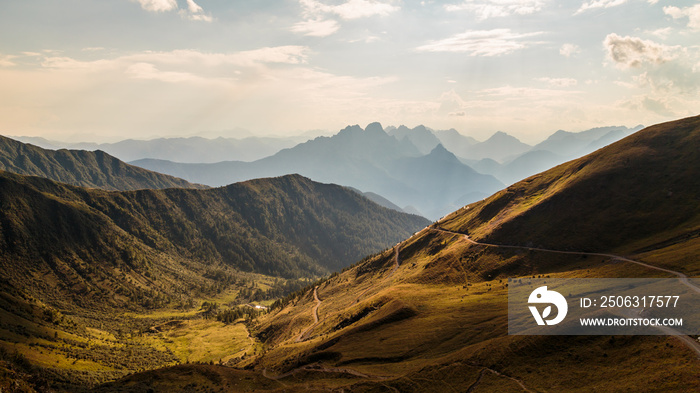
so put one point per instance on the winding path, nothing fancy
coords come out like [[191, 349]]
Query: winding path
[[692, 344], [681, 277], [314, 313]]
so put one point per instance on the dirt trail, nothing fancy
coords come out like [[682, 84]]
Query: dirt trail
[[314, 313], [681, 277], [692, 344]]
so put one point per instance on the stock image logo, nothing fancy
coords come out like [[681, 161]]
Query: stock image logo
[[542, 296]]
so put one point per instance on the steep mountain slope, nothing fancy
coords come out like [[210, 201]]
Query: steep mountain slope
[[645, 185], [369, 160], [93, 283], [430, 314], [286, 226], [82, 168]]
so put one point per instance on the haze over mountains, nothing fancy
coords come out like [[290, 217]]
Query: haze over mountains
[[428, 314], [431, 314], [369, 160], [192, 149], [82, 168], [385, 163]]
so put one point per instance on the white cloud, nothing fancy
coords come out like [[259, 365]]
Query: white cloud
[[662, 33], [150, 71], [192, 12], [158, 5], [316, 27], [485, 9], [290, 54], [195, 12], [692, 13], [591, 5], [317, 15], [354, 9], [631, 52], [568, 50], [351, 9], [6, 60], [482, 42], [558, 82]]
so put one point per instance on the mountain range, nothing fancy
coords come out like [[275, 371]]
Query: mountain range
[[191, 149], [82, 168], [431, 313], [370, 160], [81, 268], [359, 165], [558, 148]]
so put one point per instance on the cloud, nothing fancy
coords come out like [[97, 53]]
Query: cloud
[[290, 54], [158, 5], [192, 12], [351, 9], [631, 52], [317, 15], [6, 60], [150, 71], [316, 27], [692, 13], [558, 82], [482, 42], [662, 33], [485, 9], [568, 50], [195, 12], [595, 4]]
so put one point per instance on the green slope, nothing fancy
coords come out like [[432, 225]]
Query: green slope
[[82, 168], [288, 226]]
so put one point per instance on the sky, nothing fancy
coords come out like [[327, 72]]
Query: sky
[[107, 70]]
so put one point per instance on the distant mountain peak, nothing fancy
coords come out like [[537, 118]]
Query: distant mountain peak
[[349, 130], [441, 152], [502, 136], [375, 127]]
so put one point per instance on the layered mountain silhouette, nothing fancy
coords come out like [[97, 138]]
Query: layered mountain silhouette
[[192, 149], [82, 168], [558, 148], [420, 136], [370, 160]]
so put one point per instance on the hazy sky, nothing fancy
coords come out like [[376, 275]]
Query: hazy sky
[[140, 68]]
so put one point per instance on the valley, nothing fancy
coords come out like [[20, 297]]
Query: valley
[[428, 312], [349, 196]]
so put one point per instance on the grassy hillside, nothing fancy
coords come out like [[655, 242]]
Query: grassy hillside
[[643, 188], [95, 284], [431, 313], [287, 226], [82, 168]]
